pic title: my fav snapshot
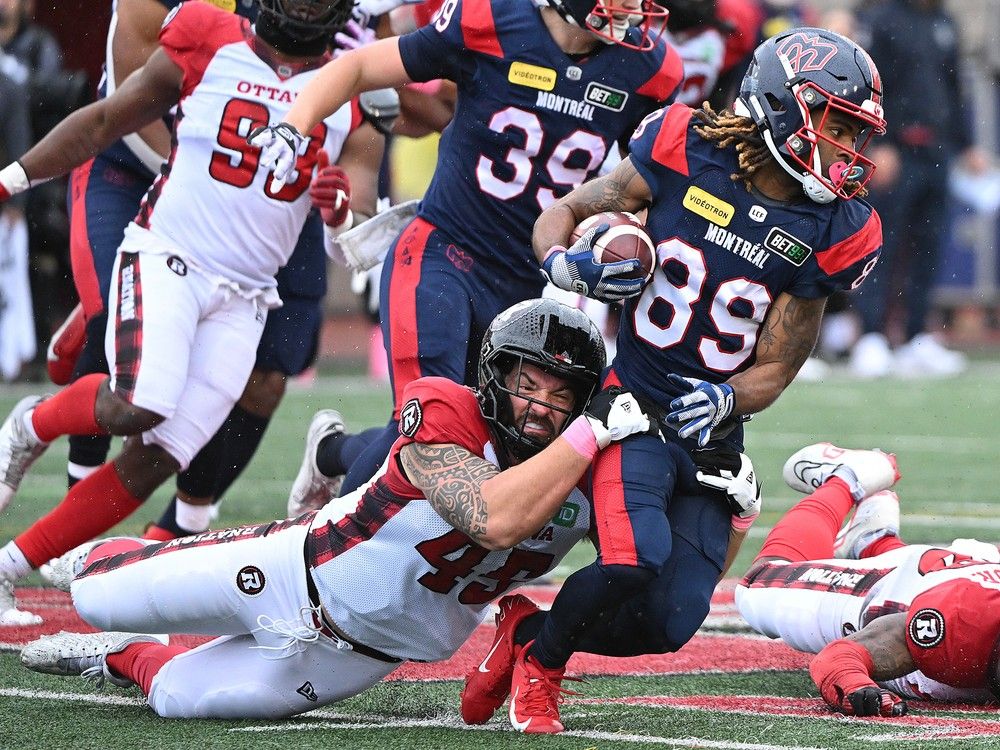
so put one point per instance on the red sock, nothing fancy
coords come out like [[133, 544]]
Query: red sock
[[91, 507], [141, 661], [157, 534], [71, 411], [882, 544], [807, 531]]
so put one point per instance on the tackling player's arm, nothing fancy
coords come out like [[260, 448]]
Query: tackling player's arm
[[148, 94], [846, 669], [136, 37], [374, 66], [786, 340], [622, 189], [496, 509]]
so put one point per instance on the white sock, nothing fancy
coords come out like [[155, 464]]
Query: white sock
[[193, 518], [79, 471], [13, 563], [26, 421]]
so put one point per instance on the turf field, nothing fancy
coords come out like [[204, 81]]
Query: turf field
[[729, 691]]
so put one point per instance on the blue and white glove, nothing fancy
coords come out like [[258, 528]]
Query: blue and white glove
[[279, 148], [575, 270], [702, 407]]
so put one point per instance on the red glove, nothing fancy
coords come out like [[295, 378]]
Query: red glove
[[842, 672], [330, 192]]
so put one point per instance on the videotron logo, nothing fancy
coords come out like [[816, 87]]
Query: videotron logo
[[605, 96], [787, 246], [532, 76], [708, 206]]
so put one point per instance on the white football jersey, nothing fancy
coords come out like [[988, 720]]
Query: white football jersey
[[703, 51], [809, 604], [399, 578], [212, 202]]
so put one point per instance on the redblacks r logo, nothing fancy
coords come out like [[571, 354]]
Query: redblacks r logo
[[806, 52]]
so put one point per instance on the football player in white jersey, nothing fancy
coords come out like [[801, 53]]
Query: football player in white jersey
[[194, 277], [478, 496], [889, 620]]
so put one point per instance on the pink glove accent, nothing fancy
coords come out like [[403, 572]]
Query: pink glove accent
[[580, 436]]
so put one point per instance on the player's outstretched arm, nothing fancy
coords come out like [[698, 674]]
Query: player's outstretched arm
[[498, 509], [148, 94], [787, 338], [846, 669], [361, 158]]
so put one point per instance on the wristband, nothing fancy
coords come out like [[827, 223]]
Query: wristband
[[742, 525], [581, 438], [13, 180]]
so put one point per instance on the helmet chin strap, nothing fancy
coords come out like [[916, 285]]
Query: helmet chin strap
[[814, 189]]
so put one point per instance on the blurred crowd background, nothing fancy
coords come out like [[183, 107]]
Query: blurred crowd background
[[933, 302]]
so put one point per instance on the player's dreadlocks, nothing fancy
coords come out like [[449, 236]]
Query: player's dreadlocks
[[726, 129]]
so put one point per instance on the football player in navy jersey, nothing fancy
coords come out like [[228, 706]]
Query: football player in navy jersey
[[545, 89], [755, 226], [104, 197]]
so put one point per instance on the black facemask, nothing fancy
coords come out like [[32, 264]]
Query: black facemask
[[269, 29]]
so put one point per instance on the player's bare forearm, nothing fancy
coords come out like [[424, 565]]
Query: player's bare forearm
[[497, 509], [361, 159], [622, 189], [785, 341], [736, 539], [374, 66], [147, 95], [885, 639]]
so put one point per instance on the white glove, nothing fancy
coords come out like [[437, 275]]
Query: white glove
[[614, 414], [730, 472], [279, 148]]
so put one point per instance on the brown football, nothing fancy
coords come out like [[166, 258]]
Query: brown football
[[625, 239]]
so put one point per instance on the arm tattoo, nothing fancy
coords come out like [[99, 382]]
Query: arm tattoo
[[451, 479], [790, 332], [608, 193]]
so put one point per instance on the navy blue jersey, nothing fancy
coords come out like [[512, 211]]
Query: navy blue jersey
[[530, 123], [724, 255]]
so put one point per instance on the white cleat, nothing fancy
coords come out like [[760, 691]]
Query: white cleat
[[82, 654], [61, 571], [874, 517], [809, 467], [18, 449], [312, 489], [10, 615]]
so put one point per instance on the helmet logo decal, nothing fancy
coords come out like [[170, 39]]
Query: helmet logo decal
[[411, 416], [806, 52]]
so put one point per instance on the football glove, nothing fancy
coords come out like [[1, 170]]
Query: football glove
[[702, 407], [330, 192], [842, 672], [731, 472], [614, 414], [575, 270], [279, 148]]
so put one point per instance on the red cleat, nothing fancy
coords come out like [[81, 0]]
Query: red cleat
[[488, 685], [66, 345], [535, 695]]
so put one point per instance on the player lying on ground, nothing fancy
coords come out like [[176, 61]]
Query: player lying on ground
[[888, 619], [318, 608], [195, 274]]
